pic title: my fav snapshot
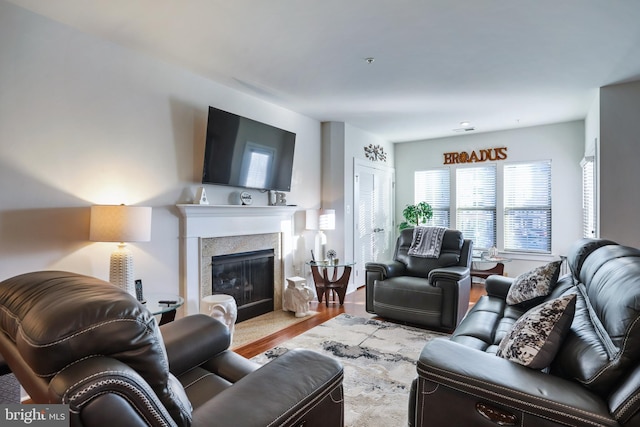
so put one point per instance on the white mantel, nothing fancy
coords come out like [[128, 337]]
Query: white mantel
[[206, 221]]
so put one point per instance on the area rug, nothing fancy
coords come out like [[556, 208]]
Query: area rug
[[379, 360], [266, 324]]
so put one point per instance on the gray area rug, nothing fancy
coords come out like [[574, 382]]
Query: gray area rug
[[379, 360], [9, 389]]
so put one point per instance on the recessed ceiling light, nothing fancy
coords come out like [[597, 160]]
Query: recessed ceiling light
[[370, 60]]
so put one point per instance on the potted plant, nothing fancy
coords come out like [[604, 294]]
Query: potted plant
[[415, 215]]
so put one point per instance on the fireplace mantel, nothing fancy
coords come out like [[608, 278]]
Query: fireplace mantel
[[206, 221]]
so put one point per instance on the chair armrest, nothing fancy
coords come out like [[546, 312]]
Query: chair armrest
[[102, 391], [455, 283], [387, 269], [498, 286], [299, 387], [192, 340], [448, 273], [476, 376], [379, 271]]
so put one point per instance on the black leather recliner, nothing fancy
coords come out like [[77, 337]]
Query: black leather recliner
[[430, 292], [80, 341]]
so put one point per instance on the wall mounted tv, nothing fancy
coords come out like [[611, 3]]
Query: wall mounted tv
[[241, 152]]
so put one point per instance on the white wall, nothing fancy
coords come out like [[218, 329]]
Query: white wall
[[84, 121], [342, 143], [562, 143], [619, 160]]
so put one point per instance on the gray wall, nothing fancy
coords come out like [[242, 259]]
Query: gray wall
[[563, 143], [84, 121], [619, 163]]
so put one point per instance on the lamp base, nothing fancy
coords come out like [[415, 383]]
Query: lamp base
[[121, 269]]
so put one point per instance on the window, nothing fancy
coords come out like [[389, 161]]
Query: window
[[476, 205], [432, 186], [588, 197], [527, 206]]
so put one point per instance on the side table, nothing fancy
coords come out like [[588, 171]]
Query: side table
[[324, 284], [164, 304], [483, 274]]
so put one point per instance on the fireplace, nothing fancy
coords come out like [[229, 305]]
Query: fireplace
[[248, 278], [211, 230]]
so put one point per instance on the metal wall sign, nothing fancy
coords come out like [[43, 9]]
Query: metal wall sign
[[476, 156]]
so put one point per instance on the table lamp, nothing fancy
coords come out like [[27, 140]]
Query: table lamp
[[326, 221], [120, 223]]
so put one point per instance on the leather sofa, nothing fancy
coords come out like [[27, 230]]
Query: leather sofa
[[83, 342], [593, 380], [429, 292]]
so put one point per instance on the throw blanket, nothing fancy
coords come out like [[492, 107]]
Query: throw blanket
[[427, 242]]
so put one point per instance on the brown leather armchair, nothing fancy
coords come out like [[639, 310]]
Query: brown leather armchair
[[430, 292], [80, 341]]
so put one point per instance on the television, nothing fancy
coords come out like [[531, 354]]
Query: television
[[242, 152]]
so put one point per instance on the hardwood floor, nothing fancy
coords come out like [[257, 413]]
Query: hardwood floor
[[353, 304]]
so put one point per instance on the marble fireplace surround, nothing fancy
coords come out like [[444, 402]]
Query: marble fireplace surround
[[209, 230]]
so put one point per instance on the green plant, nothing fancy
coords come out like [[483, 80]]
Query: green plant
[[415, 215]]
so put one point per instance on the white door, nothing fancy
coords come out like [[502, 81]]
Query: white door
[[374, 225]]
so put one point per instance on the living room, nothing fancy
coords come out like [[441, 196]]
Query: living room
[[87, 121]]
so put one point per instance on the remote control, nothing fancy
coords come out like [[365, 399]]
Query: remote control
[[139, 295]]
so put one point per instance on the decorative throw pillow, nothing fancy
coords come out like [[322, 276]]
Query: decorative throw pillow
[[534, 284], [535, 338]]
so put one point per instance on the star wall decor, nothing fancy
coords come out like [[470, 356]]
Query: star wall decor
[[375, 153]]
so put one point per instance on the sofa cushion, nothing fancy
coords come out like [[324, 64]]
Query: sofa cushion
[[535, 338], [535, 284]]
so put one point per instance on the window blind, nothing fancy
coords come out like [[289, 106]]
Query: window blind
[[588, 197], [476, 205], [432, 186], [527, 206]]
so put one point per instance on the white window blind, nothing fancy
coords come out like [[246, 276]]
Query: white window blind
[[527, 206], [476, 205], [588, 197], [432, 186]]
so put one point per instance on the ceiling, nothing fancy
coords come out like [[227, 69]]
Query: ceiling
[[497, 64]]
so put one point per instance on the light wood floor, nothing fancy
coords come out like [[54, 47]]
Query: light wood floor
[[353, 304]]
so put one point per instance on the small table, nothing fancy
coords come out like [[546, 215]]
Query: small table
[[497, 269], [164, 304], [324, 285]]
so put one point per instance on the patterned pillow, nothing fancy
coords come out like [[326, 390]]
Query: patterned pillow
[[534, 284], [535, 338]]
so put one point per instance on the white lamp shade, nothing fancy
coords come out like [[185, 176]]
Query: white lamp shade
[[327, 219], [311, 219], [120, 223]]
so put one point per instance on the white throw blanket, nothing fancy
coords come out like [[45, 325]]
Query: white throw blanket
[[427, 242]]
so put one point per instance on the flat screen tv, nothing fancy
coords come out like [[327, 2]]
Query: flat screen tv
[[241, 152]]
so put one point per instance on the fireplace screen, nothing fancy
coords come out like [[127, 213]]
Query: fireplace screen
[[248, 278]]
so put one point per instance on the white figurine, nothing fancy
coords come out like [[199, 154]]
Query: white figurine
[[297, 297]]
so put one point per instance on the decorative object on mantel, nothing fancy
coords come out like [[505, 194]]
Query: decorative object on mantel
[[201, 197], [375, 153], [120, 223], [277, 198], [245, 198]]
